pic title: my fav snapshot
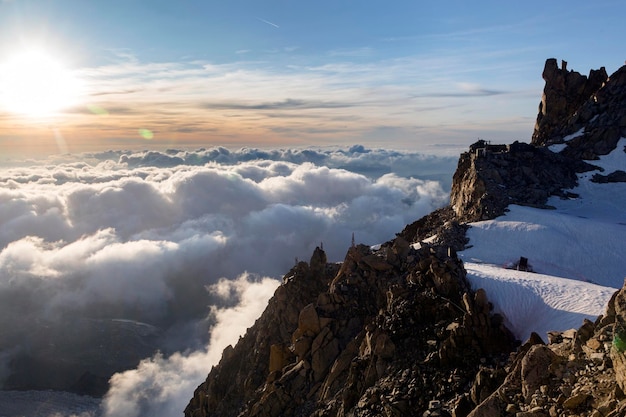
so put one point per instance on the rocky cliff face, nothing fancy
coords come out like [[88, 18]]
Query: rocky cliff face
[[589, 110], [395, 328], [489, 178], [264, 348], [397, 331], [564, 93]]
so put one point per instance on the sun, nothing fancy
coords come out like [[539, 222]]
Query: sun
[[34, 83]]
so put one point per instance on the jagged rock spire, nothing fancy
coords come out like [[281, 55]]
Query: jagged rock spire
[[565, 91]]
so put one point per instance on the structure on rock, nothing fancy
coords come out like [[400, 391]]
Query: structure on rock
[[490, 177]]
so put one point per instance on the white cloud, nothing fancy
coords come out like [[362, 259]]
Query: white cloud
[[159, 238], [161, 386]]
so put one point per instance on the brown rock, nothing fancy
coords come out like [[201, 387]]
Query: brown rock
[[531, 176], [535, 369], [377, 263], [324, 351], [618, 349], [279, 357], [575, 401], [531, 414], [564, 93], [309, 320], [384, 347], [594, 344]]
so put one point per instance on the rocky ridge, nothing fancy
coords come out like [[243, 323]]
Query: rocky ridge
[[489, 178], [394, 329], [397, 330]]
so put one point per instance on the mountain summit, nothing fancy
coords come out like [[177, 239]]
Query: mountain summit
[[418, 326]]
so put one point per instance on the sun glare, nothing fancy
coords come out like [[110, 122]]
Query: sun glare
[[35, 84]]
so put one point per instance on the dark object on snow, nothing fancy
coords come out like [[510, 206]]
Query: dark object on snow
[[522, 265]]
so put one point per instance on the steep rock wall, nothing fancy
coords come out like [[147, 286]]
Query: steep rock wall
[[243, 368], [590, 109], [564, 92], [601, 121], [489, 178]]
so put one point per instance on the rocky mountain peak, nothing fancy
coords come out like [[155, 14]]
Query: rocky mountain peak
[[396, 330], [564, 93], [585, 114], [384, 336]]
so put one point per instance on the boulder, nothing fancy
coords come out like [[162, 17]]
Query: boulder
[[535, 370]]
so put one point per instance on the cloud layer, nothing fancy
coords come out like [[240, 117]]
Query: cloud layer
[[168, 249]]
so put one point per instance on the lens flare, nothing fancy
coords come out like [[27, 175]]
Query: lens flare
[[146, 134]]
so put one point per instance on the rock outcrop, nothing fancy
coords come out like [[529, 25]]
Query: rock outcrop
[[588, 115], [490, 177], [395, 328], [564, 93], [264, 347], [601, 120]]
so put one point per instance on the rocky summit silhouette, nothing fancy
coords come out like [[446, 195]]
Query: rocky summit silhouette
[[396, 330]]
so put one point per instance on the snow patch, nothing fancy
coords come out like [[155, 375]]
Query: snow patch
[[576, 134], [557, 147], [538, 303]]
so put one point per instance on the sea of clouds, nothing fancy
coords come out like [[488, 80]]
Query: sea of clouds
[[175, 253]]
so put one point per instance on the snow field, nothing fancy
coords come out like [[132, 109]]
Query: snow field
[[577, 252]]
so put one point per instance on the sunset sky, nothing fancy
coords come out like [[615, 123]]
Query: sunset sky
[[84, 75]]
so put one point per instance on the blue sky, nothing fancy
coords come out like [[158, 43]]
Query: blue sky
[[402, 74]]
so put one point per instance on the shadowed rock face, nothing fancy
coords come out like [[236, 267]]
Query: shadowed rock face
[[393, 329], [245, 367], [564, 93], [590, 108], [490, 178]]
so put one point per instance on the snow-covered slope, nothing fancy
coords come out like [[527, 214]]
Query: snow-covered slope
[[582, 239], [538, 303]]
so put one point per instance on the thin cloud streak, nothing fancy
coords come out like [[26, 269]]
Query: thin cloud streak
[[267, 22], [287, 104]]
